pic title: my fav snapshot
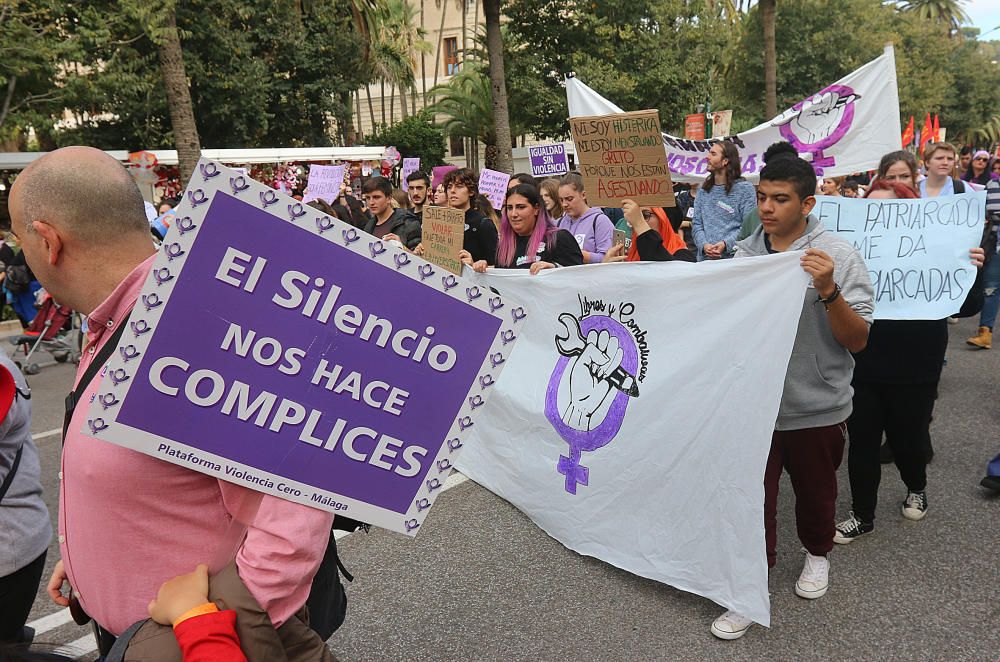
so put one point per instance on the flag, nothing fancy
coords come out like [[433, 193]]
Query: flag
[[936, 132], [925, 133], [631, 426], [908, 133]]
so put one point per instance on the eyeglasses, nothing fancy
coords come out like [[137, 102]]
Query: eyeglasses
[[647, 214], [980, 158]]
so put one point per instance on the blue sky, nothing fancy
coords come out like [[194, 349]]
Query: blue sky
[[985, 15]]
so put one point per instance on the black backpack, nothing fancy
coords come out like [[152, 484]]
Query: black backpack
[[18, 278], [327, 600]]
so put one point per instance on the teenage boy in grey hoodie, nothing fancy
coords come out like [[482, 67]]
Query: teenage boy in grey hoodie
[[809, 435]]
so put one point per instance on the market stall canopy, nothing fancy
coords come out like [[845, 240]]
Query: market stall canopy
[[20, 160]]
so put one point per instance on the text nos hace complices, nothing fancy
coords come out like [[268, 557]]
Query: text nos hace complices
[[930, 284], [259, 405]]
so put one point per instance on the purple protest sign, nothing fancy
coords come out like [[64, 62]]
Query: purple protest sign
[[548, 160], [493, 185], [438, 173], [324, 183], [273, 365], [409, 166]]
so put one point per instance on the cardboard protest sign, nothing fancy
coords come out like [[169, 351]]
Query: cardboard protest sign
[[442, 234], [438, 173], [722, 122], [548, 160], [283, 350], [621, 156], [324, 183], [410, 166], [917, 251], [493, 185]]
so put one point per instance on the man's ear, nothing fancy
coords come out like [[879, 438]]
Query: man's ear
[[808, 204], [51, 239]]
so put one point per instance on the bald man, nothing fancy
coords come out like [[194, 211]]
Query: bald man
[[128, 521]]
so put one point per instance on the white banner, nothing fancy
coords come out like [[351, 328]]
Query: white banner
[[844, 128], [633, 423], [917, 251]]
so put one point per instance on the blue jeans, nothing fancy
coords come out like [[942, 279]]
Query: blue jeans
[[991, 292]]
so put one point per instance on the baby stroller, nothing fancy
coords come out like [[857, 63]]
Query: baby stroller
[[46, 332]]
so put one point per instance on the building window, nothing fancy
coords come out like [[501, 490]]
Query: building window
[[456, 145], [450, 56]]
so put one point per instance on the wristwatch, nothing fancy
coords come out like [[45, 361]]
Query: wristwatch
[[830, 299]]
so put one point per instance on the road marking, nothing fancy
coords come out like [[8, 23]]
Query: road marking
[[47, 433], [82, 647], [51, 622]]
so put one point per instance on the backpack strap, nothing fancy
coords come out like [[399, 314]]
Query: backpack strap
[[9, 478], [73, 399], [117, 652]]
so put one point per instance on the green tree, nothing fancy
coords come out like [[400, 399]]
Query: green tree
[[416, 136], [466, 104], [661, 54], [262, 74], [31, 48]]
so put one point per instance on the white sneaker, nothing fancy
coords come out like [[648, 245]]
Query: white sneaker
[[815, 578], [731, 625]]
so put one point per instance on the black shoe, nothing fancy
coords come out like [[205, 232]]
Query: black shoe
[[915, 506], [991, 483], [850, 529], [885, 454]]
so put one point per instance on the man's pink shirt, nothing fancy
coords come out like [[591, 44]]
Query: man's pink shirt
[[128, 521]]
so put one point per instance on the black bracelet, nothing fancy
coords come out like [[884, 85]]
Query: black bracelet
[[830, 299]]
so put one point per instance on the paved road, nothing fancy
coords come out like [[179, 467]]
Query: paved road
[[482, 582]]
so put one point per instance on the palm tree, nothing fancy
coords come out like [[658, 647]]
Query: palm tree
[[947, 12], [396, 37], [498, 83], [159, 23], [767, 14], [465, 103]]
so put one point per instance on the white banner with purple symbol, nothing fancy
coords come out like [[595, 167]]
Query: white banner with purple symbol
[[633, 421], [843, 128]]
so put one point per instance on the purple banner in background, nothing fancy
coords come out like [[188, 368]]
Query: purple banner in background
[[548, 160], [303, 360]]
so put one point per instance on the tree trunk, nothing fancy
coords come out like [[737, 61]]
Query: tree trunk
[[423, 64], [175, 82], [402, 102], [382, 82], [5, 109], [498, 83], [371, 109], [437, 57], [392, 103], [767, 13], [490, 158]]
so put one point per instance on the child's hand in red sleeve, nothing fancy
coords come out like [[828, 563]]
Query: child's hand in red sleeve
[[180, 595]]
